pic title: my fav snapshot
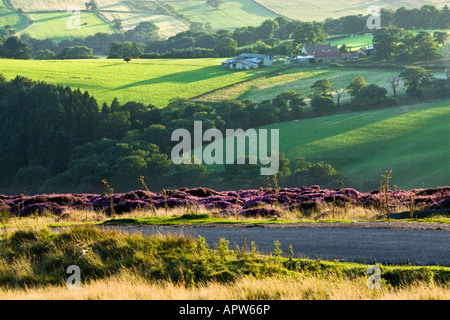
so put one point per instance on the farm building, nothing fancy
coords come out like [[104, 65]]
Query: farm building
[[369, 50], [303, 59], [353, 55], [247, 61], [327, 57], [316, 48], [325, 53]]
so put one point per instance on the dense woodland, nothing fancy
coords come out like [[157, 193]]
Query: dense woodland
[[279, 37]]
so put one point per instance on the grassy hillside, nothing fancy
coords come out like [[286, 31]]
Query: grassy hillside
[[301, 78], [10, 17], [319, 10], [147, 81], [357, 41], [62, 5], [411, 140], [50, 14], [231, 14], [44, 11], [54, 25]]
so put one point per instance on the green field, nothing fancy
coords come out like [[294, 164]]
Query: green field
[[301, 78], [55, 25], [411, 140], [320, 10], [357, 41], [148, 81], [232, 14], [353, 42], [11, 17]]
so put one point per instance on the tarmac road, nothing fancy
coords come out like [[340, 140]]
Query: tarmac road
[[410, 243]]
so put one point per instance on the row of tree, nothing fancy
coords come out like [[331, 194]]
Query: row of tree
[[417, 81], [279, 36], [401, 45], [426, 17]]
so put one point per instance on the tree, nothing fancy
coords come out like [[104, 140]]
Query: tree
[[226, 47], [214, 3], [76, 52], [339, 93], [308, 33], [343, 48], [386, 40], [323, 104], [405, 50], [357, 84], [261, 47], [45, 55], [394, 81], [114, 126], [92, 5], [30, 179], [321, 87], [440, 36], [426, 47], [117, 24], [415, 80], [127, 59], [369, 97], [117, 50], [266, 29], [14, 48], [145, 31]]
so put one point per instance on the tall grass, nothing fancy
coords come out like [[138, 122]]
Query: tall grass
[[128, 286]]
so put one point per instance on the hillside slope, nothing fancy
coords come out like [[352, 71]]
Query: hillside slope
[[154, 81], [411, 140]]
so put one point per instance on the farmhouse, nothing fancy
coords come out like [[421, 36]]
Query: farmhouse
[[325, 53], [314, 48], [327, 56], [353, 55], [248, 61]]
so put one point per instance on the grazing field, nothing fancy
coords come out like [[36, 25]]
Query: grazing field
[[148, 81], [411, 140], [357, 41], [231, 14], [55, 25], [353, 42], [301, 78], [320, 10], [10, 17]]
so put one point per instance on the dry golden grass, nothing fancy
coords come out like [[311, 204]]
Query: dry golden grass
[[304, 287], [326, 211]]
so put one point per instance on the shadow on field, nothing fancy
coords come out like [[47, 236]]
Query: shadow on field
[[207, 73]]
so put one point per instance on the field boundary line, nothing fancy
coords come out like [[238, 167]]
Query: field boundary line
[[271, 10], [239, 82], [29, 21]]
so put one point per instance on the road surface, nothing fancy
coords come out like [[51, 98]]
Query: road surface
[[411, 243]]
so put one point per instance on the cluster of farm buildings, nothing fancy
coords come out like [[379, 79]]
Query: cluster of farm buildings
[[317, 53]]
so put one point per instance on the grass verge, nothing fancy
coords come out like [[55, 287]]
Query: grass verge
[[34, 262]]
